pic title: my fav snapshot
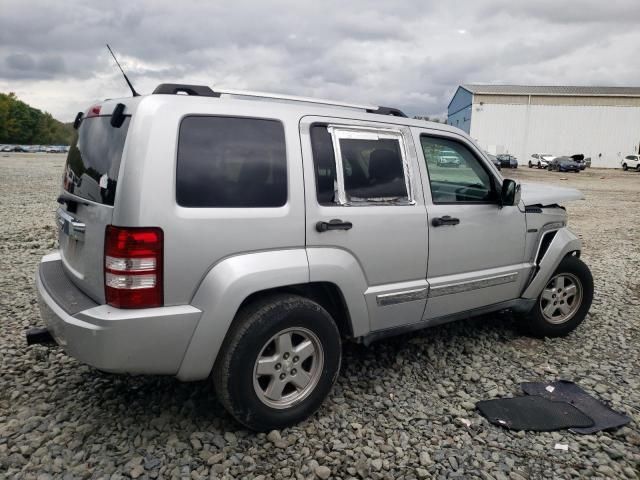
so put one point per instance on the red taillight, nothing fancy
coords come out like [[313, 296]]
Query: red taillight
[[93, 111], [133, 267]]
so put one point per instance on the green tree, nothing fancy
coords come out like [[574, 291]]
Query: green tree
[[23, 124]]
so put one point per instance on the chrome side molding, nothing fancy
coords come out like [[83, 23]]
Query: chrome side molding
[[402, 297], [472, 284]]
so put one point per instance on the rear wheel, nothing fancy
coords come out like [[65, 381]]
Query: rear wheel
[[530, 164], [279, 362], [624, 167], [638, 167], [564, 302]]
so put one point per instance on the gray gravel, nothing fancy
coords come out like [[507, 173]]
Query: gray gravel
[[399, 409]]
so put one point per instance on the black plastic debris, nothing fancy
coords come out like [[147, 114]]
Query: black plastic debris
[[565, 391], [534, 413]]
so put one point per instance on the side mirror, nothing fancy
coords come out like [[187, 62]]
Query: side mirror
[[510, 193]]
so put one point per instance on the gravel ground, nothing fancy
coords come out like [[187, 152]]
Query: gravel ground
[[398, 410]]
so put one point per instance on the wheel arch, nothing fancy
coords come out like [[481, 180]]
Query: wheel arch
[[239, 280], [326, 294], [564, 243]]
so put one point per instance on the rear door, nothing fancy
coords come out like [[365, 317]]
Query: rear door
[[89, 188], [362, 197]]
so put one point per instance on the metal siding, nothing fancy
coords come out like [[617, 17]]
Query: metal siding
[[586, 101], [459, 110], [500, 99], [552, 90], [522, 130], [460, 100], [461, 119]]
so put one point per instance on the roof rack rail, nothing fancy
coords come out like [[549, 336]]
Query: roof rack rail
[[388, 111], [293, 98], [204, 91], [180, 89]]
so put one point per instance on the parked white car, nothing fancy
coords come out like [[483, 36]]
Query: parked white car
[[541, 160], [631, 162]]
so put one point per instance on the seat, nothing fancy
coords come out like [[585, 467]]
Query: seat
[[386, 174]]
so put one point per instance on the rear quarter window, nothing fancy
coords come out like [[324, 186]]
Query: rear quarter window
[[231, 162]]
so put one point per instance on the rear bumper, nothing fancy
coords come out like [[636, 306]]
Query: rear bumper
[[150, 341]]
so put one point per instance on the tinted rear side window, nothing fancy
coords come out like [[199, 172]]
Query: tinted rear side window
[[231, 162], [325, 164], [94, 159]]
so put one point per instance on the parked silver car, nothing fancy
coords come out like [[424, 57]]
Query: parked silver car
[[219, 234]]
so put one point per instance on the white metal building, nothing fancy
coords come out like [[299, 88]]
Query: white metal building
[[601, 122]]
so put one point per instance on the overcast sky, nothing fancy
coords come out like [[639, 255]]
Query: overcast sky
[[407, 54]]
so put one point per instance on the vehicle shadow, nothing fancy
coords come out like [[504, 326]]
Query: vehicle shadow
[[139, 401]]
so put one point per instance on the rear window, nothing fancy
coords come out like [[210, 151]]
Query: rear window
[[94, 158], [231, 162]]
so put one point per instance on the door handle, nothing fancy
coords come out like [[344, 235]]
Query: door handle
[[446, 220], [69, 225], [335, 224]]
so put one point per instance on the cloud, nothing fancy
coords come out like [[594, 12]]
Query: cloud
[[409, 54], [23, 66]]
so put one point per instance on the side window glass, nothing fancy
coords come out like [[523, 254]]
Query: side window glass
[[324, 164], [455, 174], [231, 162], [373, 170], [370, 169]]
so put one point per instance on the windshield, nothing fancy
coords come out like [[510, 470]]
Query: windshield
[[94, 158]]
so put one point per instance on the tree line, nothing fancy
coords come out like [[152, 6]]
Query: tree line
[[22, 124]]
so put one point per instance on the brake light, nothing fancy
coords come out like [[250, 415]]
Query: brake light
[[93, 111], [133, 267]]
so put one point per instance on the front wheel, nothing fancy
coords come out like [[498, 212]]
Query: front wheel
[[624, 167], [278, 363], [564, 302], [530, 164]]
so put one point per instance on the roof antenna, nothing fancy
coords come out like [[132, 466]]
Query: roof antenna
[[133, 90]]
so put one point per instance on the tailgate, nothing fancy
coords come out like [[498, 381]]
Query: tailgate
[[89, 189]]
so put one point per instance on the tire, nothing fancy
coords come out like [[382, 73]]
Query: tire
[[624, 167], [530, 164], [254, 333], [573, 271], [638, 168]]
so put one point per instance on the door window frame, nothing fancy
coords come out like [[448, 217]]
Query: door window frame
[[496, 183], [339, 132]]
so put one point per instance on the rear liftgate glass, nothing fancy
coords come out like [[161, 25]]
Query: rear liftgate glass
[[94, 158]]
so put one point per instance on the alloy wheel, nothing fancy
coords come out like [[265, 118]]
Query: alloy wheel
[[561, 298], [288, 368]]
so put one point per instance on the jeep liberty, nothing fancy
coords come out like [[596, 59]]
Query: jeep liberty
[[243, 236]]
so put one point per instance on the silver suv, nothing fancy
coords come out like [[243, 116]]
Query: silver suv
[[244, 236]]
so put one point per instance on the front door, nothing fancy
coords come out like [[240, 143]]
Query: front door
[[476, 246], [362, 198]]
